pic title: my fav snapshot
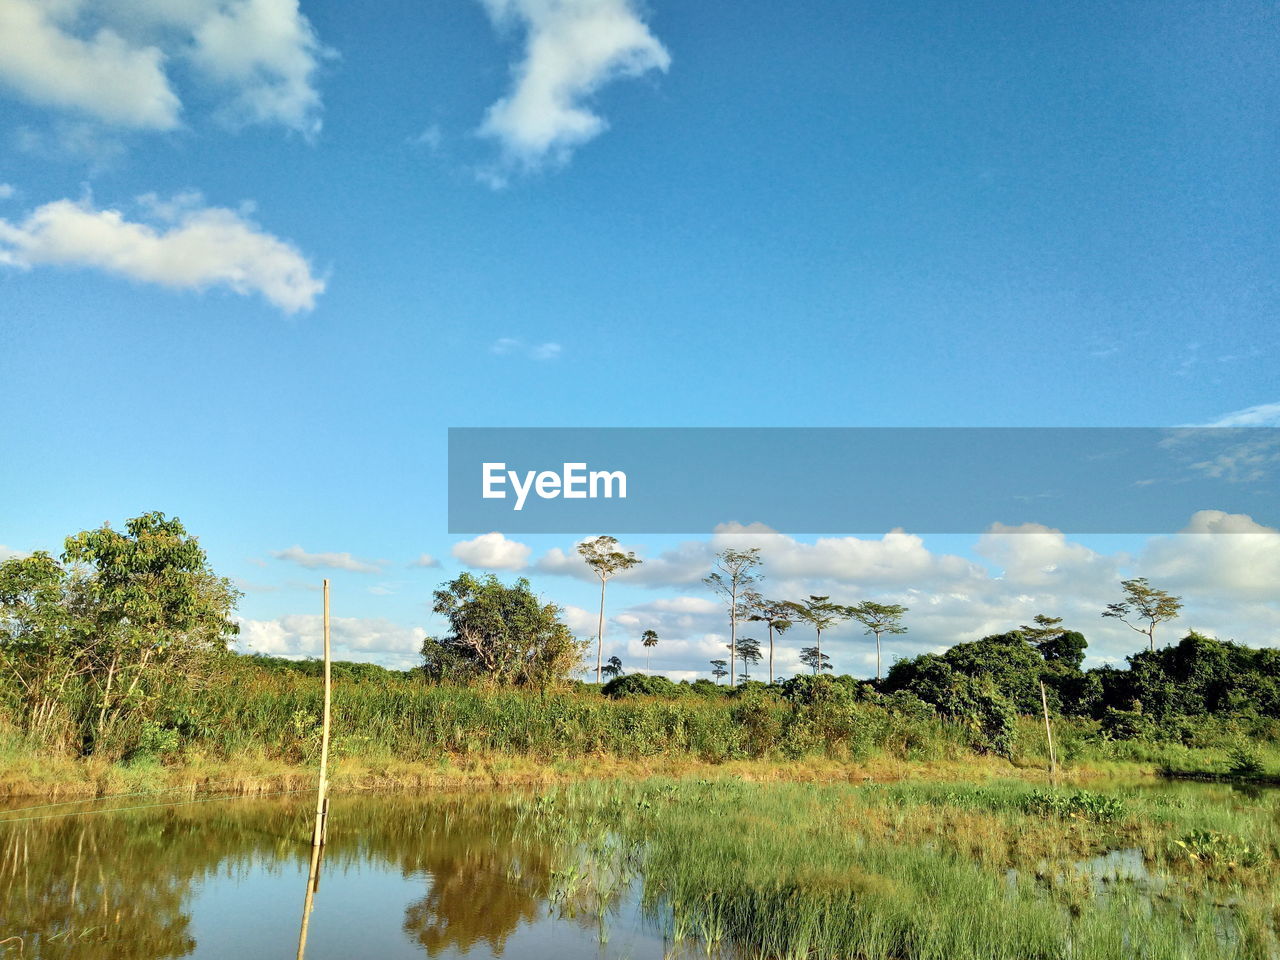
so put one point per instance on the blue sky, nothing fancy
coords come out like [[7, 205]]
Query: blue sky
[[256, 258]]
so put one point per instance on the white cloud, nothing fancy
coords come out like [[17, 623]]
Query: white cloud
[[6, 191], [1230, 556], [505, 346], [492, 551], [1262, 415], [323, 561], [351, 638], [9, 553], [572, 49], [184, 246], [111, 60], [425, 560], [44, 61], [266, 52]]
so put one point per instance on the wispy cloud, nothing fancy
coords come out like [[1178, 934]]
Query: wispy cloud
[[1262, 415], [572, 49], [179, 243], [426, 561], [329, 561], [505, 346]]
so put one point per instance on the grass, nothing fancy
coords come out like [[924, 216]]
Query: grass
[[930, 871]]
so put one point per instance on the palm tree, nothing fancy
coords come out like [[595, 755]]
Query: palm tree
[[650, 640], [613, 668], [605, 559]]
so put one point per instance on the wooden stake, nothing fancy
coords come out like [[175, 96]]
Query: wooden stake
[[1048, 730], [322, 795]]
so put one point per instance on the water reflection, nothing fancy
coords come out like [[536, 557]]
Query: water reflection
[[402, 878]]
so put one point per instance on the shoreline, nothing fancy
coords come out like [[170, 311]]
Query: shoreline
[[66, 779]]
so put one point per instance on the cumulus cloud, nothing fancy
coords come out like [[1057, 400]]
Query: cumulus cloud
[[1228, 554], [351, 638], [180, 244], [572, 49], [111, 61], [426, 560], [43, 60], [9, 553], [492, 551], [326, 561]]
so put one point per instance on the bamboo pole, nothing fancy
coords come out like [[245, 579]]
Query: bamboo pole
[[1048, 731], [322, 795], [308, 903]]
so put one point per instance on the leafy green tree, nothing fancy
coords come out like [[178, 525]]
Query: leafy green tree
[[501, 634], [879, 618], [732, 579], [1144, 608], [821, 614], [774, 615], [605, 560], [45, 636], [650, 640], [719, 668], [815, 659], [1060, 647], [156, 609]]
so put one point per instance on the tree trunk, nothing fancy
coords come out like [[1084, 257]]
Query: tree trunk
[[877, 656], [771, 653], [600, 633], [733, 635]]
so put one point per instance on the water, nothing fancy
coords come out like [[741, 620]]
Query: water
[[400, 878]]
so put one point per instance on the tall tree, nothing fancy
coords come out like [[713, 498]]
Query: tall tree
[[613, 668], [733, 578], [879, 618], [719, 669], [749, 654], [605, 560], [1144, 608], [821, 614], [650, 640], [773, 614]]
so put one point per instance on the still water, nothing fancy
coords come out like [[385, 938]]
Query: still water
[[400, 878]]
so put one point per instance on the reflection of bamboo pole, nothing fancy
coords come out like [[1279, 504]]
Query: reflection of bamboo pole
[[322, 795], [1048, 731], [313, 884]]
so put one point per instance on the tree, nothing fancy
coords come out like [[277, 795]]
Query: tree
[[605, 559], [613, 668], [879, 618], [44, 635], [821, 614], [1060, 647], [156, 609], [732, 578], [505, 635], [1144, 608], [719, 669], [650, 640], [749, 654], [773, 614], [815, 659]]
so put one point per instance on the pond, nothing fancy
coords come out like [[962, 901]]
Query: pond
[[561, 876]]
